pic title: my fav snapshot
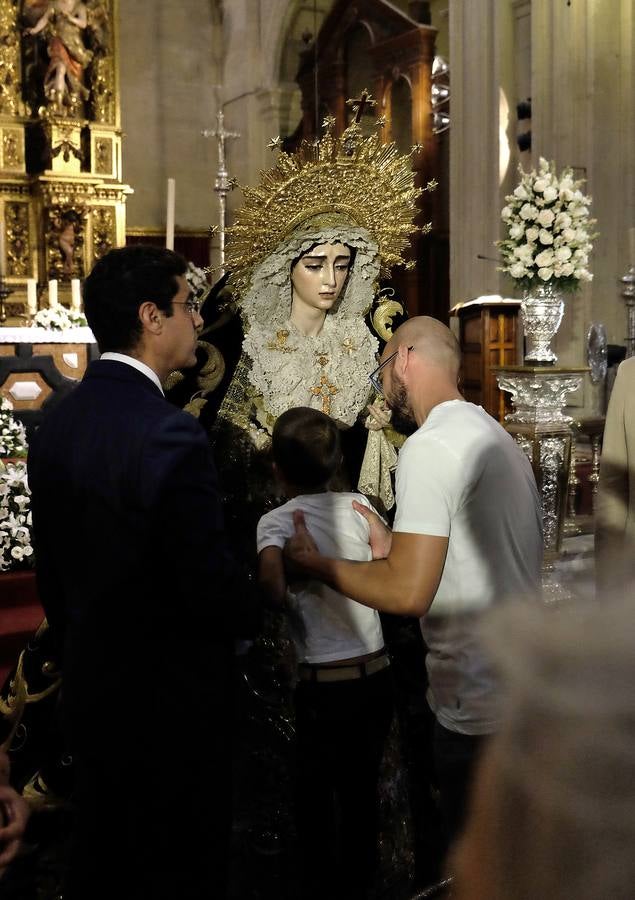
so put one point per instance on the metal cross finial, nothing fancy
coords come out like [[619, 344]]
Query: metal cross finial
[[223, 183], [358, 106]]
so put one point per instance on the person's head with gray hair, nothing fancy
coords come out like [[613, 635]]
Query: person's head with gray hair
[[553, 809]]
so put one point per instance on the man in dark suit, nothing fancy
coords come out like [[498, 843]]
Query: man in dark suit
[[141, 590]]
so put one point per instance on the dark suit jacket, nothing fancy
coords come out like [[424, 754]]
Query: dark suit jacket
[[133, 568]]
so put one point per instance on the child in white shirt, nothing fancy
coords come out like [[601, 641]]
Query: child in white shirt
[[343, 699]]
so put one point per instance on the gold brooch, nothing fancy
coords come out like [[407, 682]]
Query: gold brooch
[[280, 342]]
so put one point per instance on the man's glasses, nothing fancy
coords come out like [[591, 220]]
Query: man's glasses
[[374, 375], [192, 304]]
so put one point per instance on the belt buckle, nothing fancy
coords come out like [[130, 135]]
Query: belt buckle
[[353, 672]]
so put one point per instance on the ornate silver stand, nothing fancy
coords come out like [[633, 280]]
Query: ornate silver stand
[[541, 428]]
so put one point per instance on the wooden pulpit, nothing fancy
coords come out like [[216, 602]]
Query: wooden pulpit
[[490, 335]]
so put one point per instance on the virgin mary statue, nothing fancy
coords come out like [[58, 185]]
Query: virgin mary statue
[[305, 256]]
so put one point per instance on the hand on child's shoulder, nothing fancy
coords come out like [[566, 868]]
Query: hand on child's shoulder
[[380, 537]]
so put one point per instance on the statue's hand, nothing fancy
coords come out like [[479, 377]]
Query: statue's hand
[[378, 416]]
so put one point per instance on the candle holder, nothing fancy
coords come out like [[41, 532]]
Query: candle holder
[[5, 291]]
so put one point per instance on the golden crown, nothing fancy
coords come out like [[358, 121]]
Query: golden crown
[[353, 179]]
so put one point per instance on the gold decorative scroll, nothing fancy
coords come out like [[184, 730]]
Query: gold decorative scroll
[[101, 15], [104, 230], [16, 217], [12, 149], [103, 163], [10, 70]]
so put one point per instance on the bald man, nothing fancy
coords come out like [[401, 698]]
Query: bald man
[[467, 536]]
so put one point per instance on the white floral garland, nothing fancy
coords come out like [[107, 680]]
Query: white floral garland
[[12, 432], [16, 550], [59, 318]]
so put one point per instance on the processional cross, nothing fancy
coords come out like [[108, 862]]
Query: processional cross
[[223, 183]]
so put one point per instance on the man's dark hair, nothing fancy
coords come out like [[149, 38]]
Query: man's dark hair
[[306, 447], [119, 283]]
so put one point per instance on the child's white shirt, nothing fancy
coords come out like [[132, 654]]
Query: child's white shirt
[[336, 627]]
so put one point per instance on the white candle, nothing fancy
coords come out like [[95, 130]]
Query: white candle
[[76, 296], [53, 293], [631, 243], [2, 248], [31, 296], [169, 222]]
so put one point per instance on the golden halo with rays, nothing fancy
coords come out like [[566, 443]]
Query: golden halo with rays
[[353, 179]]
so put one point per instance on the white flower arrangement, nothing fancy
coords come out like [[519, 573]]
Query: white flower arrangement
[[59, 318], [16, 550], [12, 432], [549, 230]]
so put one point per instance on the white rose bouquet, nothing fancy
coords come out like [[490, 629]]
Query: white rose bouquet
[[59, 318], [16, 551], [12, 432], [549, 230]]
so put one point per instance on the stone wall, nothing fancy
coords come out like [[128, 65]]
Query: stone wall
[[170, 62]]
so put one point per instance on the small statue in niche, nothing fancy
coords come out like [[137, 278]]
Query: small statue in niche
[[65, 22], [67, 225]]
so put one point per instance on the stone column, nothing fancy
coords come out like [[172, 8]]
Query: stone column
[[480, 49], [583, 115]]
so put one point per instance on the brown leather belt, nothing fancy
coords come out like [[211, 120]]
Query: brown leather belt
[[308, 672]]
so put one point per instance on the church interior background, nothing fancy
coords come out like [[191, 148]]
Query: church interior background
[[482, 85], [161, 76]]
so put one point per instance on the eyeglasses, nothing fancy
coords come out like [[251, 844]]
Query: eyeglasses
[[192, 304], [374, 375]]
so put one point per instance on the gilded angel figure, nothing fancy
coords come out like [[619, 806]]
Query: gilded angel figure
[[65, 23]]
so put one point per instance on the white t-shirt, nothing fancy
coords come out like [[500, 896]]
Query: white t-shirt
[[462, 476], [336, 627]]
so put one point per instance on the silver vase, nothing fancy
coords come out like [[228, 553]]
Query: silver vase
[[541, 309]]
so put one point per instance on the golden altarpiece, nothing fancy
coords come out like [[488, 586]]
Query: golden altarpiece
[[62, 200]]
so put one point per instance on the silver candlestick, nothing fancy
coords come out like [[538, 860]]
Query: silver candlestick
[[222, 184]]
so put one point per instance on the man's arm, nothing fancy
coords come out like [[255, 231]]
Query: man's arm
[[182, 493], [271, 575], [404, 583]]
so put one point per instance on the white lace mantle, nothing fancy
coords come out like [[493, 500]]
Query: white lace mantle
[[328, 372]]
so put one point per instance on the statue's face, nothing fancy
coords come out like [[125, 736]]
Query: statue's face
[[319, 276]]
